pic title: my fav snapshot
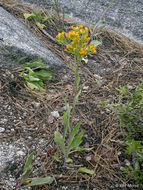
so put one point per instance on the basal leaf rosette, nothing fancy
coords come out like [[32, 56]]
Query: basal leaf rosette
[[77, 41]]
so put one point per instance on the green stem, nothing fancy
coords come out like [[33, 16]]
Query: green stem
[[75, 89]]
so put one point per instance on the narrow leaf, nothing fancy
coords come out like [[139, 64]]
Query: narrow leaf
[[85, 170], [76, 141], [76, 97], [56, 157], [27, 167], [66, 119], [34, 64], [44, 75], [77, 82], [48, 19], [37, 14], [21, 59], [41, 181], [74, 132], [59, 140], [81, 149], [28, 163]]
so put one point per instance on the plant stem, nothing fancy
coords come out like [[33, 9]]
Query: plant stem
[[75, 88]]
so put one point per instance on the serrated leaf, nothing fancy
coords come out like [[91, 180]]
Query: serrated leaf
[[59, 140], [44, 75], [41, 181], [95, 42], [76, 97], [85, 170], [74, 132], [26, 15], [76, 141]]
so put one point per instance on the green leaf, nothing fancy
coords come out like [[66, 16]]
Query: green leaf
[[74, 132], [85, 170], [37, 63], [27, 166], [81, 149], [40, 181], [66, 119], [44, 75], [66, 99], [59, 140], [35, 85], [69, 160], [41, 26], [97, 24], [37, 14], [28, 163], [76, 97], [31, 72], [48, 19], [56, 157], [26, 15], [77, 82], [21, 59], [76, 141], [95, 42], [32, 78]]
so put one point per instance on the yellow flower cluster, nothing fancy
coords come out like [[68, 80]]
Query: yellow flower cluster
[[77, 41]]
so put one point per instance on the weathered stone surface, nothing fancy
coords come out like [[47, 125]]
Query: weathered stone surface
[[17, 41], [124, 16]]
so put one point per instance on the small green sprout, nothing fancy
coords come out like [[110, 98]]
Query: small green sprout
[[36, 14], [25, 181]]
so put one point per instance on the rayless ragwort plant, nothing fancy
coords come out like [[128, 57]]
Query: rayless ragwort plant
[[35, 73], [37, 16], [77, 42], [24, 181]]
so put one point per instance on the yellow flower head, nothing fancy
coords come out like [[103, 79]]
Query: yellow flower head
[[86, 29]]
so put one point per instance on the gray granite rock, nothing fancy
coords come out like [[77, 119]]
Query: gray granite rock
[[124, 16], [17, 41]]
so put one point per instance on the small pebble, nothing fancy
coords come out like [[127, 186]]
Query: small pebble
[[2, 129], [55, 114]]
